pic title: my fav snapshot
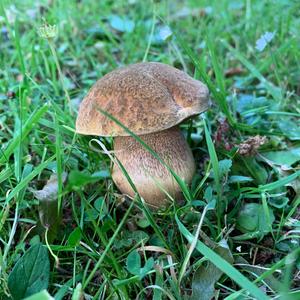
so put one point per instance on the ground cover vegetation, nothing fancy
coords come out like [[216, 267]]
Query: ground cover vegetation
[[65, 229]]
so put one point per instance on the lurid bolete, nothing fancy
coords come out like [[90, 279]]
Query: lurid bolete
[[150, 99]]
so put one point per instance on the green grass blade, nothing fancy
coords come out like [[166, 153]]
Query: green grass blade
[[5, 174], [200, 66], [180, 182], [24, 182], [146, 210], [27, 127], [107, 248], [267, 273], [220, 79], [59, 166], [279, 183], [222, 264], [255, 72], [215, 165]]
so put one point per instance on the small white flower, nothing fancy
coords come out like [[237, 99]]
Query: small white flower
[[264, 40], [47, 31]]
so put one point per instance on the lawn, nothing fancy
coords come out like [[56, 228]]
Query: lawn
[[67, 232]]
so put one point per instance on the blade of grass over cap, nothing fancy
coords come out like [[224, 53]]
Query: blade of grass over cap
[[180, 182]]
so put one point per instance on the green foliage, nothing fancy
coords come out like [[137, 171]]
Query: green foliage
[[253, 218], [134, 265], [285, 157], [31, 273], [130, 239], [80, 179], [110, 247], [75, 237], [222, 264]]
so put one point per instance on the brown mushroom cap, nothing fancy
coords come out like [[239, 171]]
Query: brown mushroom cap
[[145, 97]]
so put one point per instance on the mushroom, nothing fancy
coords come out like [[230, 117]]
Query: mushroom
[[150, 99]]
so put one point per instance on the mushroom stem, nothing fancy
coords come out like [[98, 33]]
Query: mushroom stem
[[151, 178]]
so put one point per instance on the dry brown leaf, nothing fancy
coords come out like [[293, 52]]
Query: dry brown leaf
[[250, 146]]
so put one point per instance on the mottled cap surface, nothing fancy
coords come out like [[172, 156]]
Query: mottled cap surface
[[145, 97]]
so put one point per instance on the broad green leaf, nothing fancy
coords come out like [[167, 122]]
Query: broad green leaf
[[287, 157], [248, 105], [31, 273], [130, 238], [143, 222], [253, 168], [133, 262], [79, 179], [212, 204], [208, 194], [101, 207], [252, 218], [225, 166], [290, 128], [74, 237], [100, 204], [91, 214], [147, 267]]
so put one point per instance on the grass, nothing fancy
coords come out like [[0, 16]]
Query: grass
[[107, 246]]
